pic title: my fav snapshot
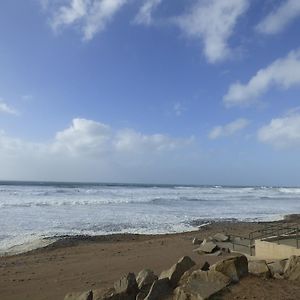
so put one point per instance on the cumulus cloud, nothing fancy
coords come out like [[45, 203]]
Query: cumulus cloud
[[90, 146], [282, 132], [280, 18], [213, 22], [144, 15], [228, 129], [91, 16], [5, 108], [283, 73]]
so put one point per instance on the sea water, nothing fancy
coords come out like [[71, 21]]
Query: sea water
[[33, 210]]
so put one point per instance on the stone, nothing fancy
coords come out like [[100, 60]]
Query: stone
[[145, 278], [220, 237], [197, 241], [277, 267], [127, 284], [176, 271], [259, 268], [234, 267], [292, 268], [202, 267], [159, 289], [207, 247], [88, 295], [202, 285]]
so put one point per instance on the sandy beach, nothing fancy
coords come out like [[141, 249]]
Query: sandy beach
[[84, 263]]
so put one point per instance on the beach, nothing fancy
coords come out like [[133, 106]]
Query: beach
[[83, 263]]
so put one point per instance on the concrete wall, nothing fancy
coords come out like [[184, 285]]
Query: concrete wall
[[271, 250]]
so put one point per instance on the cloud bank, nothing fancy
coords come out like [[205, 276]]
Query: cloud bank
[[5, 108], [283, 73]]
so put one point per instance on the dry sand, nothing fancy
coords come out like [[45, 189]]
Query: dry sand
[[90, 263]]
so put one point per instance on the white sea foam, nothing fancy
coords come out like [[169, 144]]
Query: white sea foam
[[34, 211]]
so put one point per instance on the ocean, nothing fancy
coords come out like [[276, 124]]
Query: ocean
[[31, 211]]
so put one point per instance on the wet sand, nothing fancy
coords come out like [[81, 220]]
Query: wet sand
[[84, 263]]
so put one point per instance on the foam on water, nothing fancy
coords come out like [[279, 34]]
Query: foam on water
[[30, 211]]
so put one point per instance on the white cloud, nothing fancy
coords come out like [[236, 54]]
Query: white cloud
[[283, 73], [228, 129], [5, 108], [91, 16], [280, 18], [88, 150], [282, 132], [144, 15], [178, 109], [213, 22]]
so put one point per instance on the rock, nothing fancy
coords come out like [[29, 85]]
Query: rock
[[216, 253], [127, 284], [292, 268], [277, 267], [176, 271], [202, 285], [234, 267], [259, 268], [202, 267], [207, 247], [88, 295], [105, 294], [197, 241], [278, 276], [220, 237], [145, 278], [159, 289]]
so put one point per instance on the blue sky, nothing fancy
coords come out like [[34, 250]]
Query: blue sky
[[162, 91]]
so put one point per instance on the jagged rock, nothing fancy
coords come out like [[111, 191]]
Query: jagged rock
[[202, 285], [159, 289], [277, 267], [202, 267], [105, 294], [207, 247], [259, 268], [278, 276], [220, 237], [234, 267], [127, 284], [197, 241], [145, 278], [176, 271], [292, 268], [88, 295]]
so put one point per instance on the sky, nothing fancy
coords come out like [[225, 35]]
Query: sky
[[150, 91]]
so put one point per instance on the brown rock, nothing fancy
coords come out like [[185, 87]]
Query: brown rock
[[88, 295], [145, 278], [220, 237], [176, 271], [292, 268], [234, 267], [127, 284], [159, 289], [207, 247], [277, 267], [259, 268]]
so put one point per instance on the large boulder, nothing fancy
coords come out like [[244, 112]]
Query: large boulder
[[277, 267], [127, 284], [88, 295], [259, 268], [234, 267], [202, 285], [159, 289], [145, 278], [292, 268], [207, 247], [176, 271], [220, 237]]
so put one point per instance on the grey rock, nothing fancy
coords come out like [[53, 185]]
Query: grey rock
[[197, 241], [202, 285], [220, 237], [277, 267], [127, 284], [207, 247], [88, 295], [292, 268], [145, 278], [259, 268], [176, 271], [159, 289], [234, 267]]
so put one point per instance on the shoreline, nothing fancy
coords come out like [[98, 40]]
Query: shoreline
[[53, 242]]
